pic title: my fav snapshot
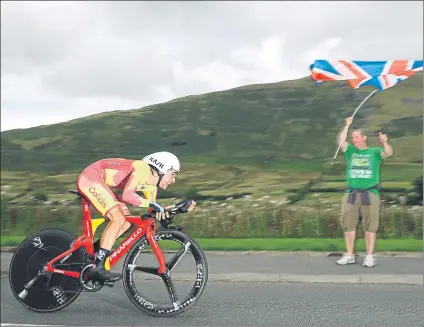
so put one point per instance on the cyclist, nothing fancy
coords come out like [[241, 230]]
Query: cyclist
[[131, 176]]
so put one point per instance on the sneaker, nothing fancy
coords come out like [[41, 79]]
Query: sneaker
[[102, 275], [369, 261], [346, 259]]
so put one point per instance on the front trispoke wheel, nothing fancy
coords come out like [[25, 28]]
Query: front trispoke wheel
[[184, 281]]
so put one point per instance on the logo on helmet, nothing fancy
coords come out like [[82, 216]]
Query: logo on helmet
[[157, 163]]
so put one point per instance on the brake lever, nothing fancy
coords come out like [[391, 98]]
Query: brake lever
[[167, 221], [164, 223]]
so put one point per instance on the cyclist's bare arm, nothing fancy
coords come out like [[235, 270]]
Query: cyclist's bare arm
[[343, 135]]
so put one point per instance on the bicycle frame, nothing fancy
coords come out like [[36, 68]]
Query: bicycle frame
[[140, 228]]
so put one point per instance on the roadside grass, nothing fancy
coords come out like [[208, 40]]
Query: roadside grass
[[277, 244]]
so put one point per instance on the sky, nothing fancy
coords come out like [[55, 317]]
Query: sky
[[65, 60]]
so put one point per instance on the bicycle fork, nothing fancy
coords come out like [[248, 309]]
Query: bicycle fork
[[150, 235]]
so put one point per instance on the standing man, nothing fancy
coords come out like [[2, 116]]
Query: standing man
[[362, 197]]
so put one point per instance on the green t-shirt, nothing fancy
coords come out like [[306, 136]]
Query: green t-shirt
[[363, 167]]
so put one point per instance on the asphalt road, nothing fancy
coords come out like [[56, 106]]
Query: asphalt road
[[269, 265], [242, 304]]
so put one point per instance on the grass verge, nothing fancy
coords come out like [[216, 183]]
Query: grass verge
[[280, 244]]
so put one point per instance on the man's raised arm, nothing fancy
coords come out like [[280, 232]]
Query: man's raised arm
[[387, 148], [343, 134]]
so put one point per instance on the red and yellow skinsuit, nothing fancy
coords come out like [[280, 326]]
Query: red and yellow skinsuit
[[96, 180]]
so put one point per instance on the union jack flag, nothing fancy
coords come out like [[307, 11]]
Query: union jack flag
[[379, 74]]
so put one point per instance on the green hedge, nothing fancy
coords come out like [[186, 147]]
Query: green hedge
[[249, 220]]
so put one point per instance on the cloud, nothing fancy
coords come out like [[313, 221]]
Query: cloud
[[242, 66], [63, 60], [329, 49]]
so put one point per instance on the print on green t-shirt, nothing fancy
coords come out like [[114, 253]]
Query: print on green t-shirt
[[363, 167]]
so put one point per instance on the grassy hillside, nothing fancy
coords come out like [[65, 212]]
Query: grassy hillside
[[268, 139], [260, 125], [247, 152]]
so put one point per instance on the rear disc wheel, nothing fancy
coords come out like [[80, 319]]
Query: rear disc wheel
[[49, 292]]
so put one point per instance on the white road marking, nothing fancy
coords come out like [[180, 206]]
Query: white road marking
[[7, 324]]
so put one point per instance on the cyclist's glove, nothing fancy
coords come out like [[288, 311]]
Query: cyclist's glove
[[160, 211], [156, 207]]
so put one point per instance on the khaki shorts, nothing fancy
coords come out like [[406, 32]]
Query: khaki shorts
[[370, 213]]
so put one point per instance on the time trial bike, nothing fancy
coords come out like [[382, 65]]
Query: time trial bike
[[48, 270]]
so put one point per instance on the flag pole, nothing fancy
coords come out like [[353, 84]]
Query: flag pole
[[360, 105]]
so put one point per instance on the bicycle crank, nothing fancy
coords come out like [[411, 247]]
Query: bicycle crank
[[89, 285]]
